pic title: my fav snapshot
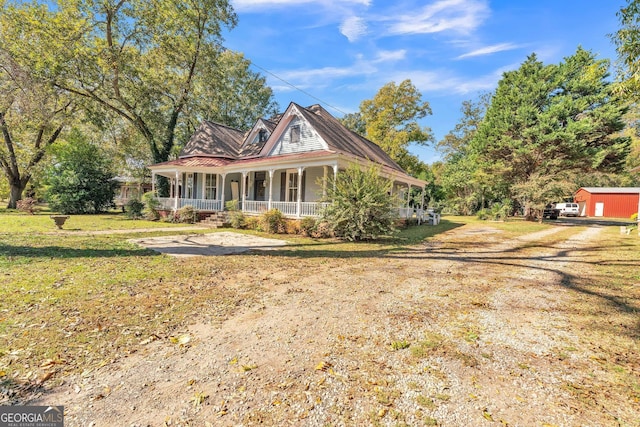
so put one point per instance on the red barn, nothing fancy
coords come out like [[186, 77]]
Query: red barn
[[611, 202]]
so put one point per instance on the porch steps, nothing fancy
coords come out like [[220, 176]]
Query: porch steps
[[215, 220]]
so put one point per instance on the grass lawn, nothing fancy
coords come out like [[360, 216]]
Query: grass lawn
[[73, 301]]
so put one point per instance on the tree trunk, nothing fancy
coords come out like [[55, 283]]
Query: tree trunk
[[17, 188]]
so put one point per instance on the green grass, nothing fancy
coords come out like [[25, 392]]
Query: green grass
[[18, 222], [82, 299]]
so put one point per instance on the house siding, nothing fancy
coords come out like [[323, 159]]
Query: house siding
[[615, 205], [313, 190], [309, 140]]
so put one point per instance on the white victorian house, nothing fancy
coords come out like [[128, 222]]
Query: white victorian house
[[282, 163]]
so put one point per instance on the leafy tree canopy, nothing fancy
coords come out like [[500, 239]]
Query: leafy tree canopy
[[390, 120], [159, 66], [547, 120], [81, 180], [33, 112], [627, 40]]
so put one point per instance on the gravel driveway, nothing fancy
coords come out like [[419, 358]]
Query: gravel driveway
[[465, 330]]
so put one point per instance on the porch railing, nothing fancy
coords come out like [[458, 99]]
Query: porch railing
[[289, 209], [255, 206], [198, 204]]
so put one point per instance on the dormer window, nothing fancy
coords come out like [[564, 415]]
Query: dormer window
[[294, 134], [263, 135]]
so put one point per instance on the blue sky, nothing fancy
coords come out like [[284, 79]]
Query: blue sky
[[341, 52]]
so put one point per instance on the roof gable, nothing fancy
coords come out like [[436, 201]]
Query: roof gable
[[214, 139], [293, 134], [256, 138], [343, 140]]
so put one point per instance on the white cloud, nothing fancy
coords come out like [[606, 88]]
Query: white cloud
[[488, 50], [460, 16], [390, 55], [353, 28], [443, 81]]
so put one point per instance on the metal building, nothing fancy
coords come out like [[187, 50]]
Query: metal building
[[608, 202]]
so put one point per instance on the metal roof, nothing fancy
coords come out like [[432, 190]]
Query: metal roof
[[611, 190]]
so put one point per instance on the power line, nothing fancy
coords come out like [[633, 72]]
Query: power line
[[284, 81]]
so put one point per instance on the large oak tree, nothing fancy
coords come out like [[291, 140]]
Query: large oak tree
[[159, 66], [33, 112]]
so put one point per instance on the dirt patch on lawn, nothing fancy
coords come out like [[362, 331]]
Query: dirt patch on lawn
[[454, 332], [222, 243]]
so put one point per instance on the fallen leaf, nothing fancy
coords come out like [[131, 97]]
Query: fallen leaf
[[45, 377], [323, 366], [181, 340]]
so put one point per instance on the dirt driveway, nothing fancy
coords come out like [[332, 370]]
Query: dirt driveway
[[444, 333]]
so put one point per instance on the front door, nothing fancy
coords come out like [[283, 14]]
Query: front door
[[259, 186], [599, 209]]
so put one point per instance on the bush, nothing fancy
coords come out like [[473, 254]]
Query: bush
[[236, 217], [362, 207], [151, 206], [292, 226], [634, 217], [134, 208], [482, 214], [323, 230], [27, 205], [252, 223], [308, 226], [80, 179], [272, 221], [186, 214]]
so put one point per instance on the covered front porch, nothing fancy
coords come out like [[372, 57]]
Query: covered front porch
[[295, 191]]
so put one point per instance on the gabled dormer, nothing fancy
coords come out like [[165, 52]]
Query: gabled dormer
[[293, 134], [257, 137]]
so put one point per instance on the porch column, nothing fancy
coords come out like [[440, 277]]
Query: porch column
[[421, 207], [271, 172], [300, 190], [408, 199], [153, 183], [325, 176], [176, 192], [244, 189], [222, 175], [335, 175]]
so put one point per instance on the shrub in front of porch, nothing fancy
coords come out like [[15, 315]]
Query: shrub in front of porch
[[152, 207], [362, 207], [236, 217], [272, 221], [186, 214]]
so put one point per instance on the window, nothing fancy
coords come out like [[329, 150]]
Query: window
[[262, 135], [292, 186], [189, 194], [210, 186], [294, 134]]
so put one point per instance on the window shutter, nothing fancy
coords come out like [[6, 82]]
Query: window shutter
[[283, 186], [304, 175]]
